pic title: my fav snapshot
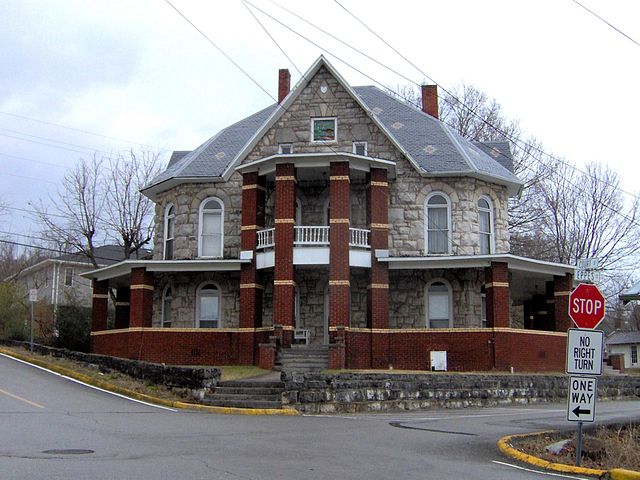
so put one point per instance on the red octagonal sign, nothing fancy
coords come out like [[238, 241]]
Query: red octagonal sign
[[586, 306]]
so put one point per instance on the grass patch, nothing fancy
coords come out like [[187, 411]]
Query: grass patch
[[237, 372], [604, 448]]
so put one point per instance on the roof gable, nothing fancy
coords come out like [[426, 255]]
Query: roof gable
[[432, 148]]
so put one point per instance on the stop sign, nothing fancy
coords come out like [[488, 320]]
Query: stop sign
[[586, 306]]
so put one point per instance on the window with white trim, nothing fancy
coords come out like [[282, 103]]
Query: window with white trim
[[360, 148], [208, 306], [324, 129], [285, 149], [169, 228], [485, 226], [166, 307], [211, 227], [438, 304], [634, 354], [437, 224]]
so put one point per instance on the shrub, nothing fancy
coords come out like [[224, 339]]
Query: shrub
[[13, 312], [74, 327]]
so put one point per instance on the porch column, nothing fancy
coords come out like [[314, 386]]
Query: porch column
[[283, 274], [378, 291], [497, 291], [99, 305], [562, 287], [253, 196], [339, 270], [141, 298], [122, 308]]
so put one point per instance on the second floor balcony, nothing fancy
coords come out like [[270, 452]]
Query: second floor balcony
[[311, 246]]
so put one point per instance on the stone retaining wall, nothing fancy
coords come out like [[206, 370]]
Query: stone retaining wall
[[197, 380], [349, 392]]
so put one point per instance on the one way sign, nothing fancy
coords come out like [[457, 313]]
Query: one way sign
[[581, 405]]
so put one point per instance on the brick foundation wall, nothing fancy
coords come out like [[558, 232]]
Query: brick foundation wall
[[467, 349], [181, 346]]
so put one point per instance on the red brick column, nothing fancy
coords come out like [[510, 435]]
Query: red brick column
[[283, 275], [251, 288], [122, 308], [378, 292], [99, 305], [497, 290], [339, 271], [141, 299], [562, 287]]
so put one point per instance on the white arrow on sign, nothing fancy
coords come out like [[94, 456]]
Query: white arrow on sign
[[581, 403]]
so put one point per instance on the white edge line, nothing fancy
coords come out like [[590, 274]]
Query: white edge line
[[538, 471], [90, 386]]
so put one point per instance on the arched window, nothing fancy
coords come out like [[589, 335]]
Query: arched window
[[169, 227], [438, 303], [485, 226], [208, 306], [166, 307], [437, 224], [211, 228]]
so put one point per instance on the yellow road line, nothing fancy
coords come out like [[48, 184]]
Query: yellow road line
[[29, 402]]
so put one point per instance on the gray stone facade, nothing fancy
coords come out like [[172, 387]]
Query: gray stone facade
[[408, 191]]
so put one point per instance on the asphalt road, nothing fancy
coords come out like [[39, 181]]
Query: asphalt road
[[54, 428]]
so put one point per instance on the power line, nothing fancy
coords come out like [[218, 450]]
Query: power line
[[271, 37], [33, 212], [32, 160], [218, 48], [605, 21], [74, 129], [28, 178], [16, 132]]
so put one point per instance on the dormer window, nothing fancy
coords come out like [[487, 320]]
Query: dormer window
[[285, 149], [324, 129], [360, 148]]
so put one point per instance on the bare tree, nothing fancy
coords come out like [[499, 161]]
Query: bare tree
[[73, 218], [130, 214], [98, 201]]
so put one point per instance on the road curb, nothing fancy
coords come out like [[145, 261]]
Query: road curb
[[509, 451], [622, 474], [147, 398]]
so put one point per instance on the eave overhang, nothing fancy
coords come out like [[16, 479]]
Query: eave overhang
[[123, 269], [267, 165], [478, 261]]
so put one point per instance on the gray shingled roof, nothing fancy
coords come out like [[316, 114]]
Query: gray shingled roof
[[430, 144], [105, 255], [623, 338], [435, 147], [212, 157]]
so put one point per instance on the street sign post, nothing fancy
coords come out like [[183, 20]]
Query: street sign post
[[582, 399], [586, 306], [584, 351]]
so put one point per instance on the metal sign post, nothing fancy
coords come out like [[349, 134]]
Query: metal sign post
[[584, 356]]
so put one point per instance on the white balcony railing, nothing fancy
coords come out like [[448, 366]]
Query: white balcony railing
[[359, 238], [313, 236], [266, 238]]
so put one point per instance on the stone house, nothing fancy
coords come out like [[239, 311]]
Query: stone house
[[340, 216]]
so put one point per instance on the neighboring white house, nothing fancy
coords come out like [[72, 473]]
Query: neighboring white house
[[58, 279], [626, 344]]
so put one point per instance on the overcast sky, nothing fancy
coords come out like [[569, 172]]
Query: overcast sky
[[78, 77]]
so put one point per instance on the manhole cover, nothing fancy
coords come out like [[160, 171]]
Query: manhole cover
[[69, 451]]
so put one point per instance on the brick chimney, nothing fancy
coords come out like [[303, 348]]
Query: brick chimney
[[430, 100], [284, 84]]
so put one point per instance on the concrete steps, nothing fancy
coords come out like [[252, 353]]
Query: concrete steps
[[303, 358], [246, 394]]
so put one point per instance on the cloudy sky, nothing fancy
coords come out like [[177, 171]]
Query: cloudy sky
[[80, 77]]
